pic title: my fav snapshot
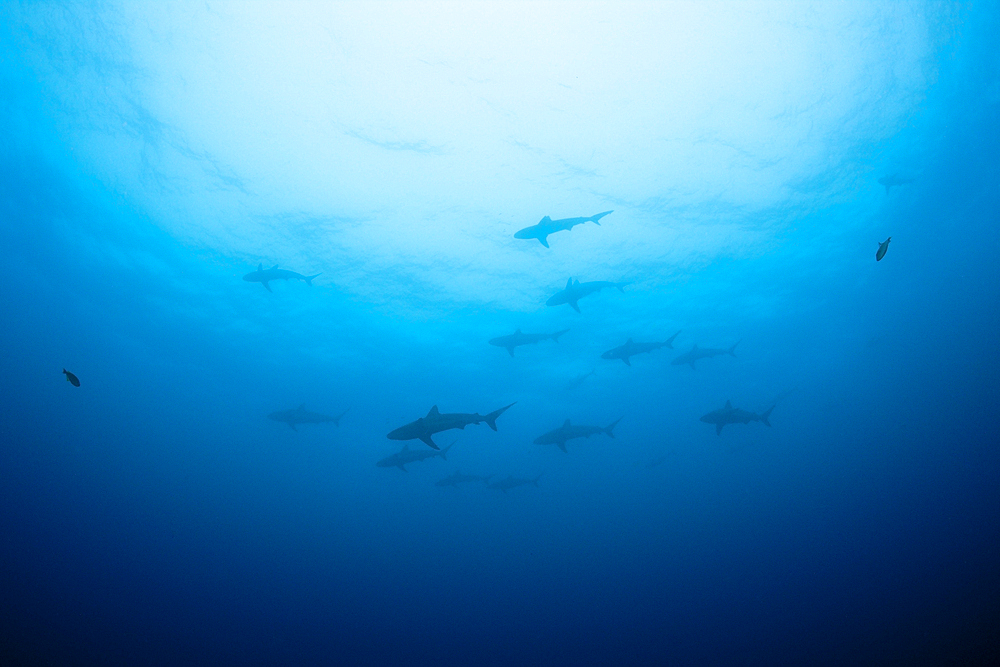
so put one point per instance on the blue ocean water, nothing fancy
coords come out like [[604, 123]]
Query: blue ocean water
[[153, 154]]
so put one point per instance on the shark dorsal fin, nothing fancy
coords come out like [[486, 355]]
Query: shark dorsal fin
[[729, 406], [518, 331], [260, 266], [566, 423], [569, 283], [274, 267], [433, 411], [546, 219]]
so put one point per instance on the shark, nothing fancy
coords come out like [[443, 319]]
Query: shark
[[696, 353], [882, 247], [630, 348], [579, 380], [512, 482], [302, 416], [264, 276], [575, 290], [567, 431], [893, 179], [549, 226], [405, 456], [730, 415], [457, 478], [517, 339], [435, 422]]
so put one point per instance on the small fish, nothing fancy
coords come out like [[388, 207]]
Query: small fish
[[882, 247], [72, 379]]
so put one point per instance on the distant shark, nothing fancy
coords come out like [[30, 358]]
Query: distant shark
[[405, 456], [435, 422], [631, 348], [894, 179], [730, 415], [575, 290], [264, 276], [567, 432], [549, 226], [517, 339], [302, 416], [457, 478], [696, 353], [512, 482], [579, 380]]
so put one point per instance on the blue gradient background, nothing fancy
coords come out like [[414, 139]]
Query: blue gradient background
[[153, 153]]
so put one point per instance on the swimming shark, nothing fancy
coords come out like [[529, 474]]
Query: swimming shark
[[567, 432], [894, 179], [882, 247], [630, 348], [730, 415], [264, 276], [696, 353], [302, 416], [517, 339], [405, 456], [579, 380], [457, 478], [549, 226], [575, 290], [512, 482], [435, 422]]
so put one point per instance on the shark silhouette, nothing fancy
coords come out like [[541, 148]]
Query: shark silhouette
[[549, 226]]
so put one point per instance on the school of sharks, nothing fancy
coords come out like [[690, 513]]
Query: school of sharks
[[425, 428]]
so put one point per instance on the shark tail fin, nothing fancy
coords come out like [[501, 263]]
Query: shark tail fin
[[610, 429], [596, 219], [764, 417], [491, 419], [309, 279], [670, 341], [444, 452], [732, 350], [556, 335]]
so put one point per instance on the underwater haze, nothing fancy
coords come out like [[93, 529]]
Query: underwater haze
[[499, 333]]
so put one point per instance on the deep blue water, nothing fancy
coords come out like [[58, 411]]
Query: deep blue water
[[153, 154]]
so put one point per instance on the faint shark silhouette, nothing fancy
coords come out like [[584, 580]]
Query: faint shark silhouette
[[730, 415], [567, 431], [575, 290], [406, 456], [893, 180], [302, 416], [264, 276], [630, 348], [512, 482], [696, 353], [517, 339]]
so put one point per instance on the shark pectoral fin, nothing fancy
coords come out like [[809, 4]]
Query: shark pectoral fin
[[400, 466], [626, 360], [544, 241], [562, 446], [574, 305], [718, 429], [430, 443], [511, 350], [266, 286]]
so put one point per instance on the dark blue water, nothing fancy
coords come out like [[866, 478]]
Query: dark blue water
[[151, 155]]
